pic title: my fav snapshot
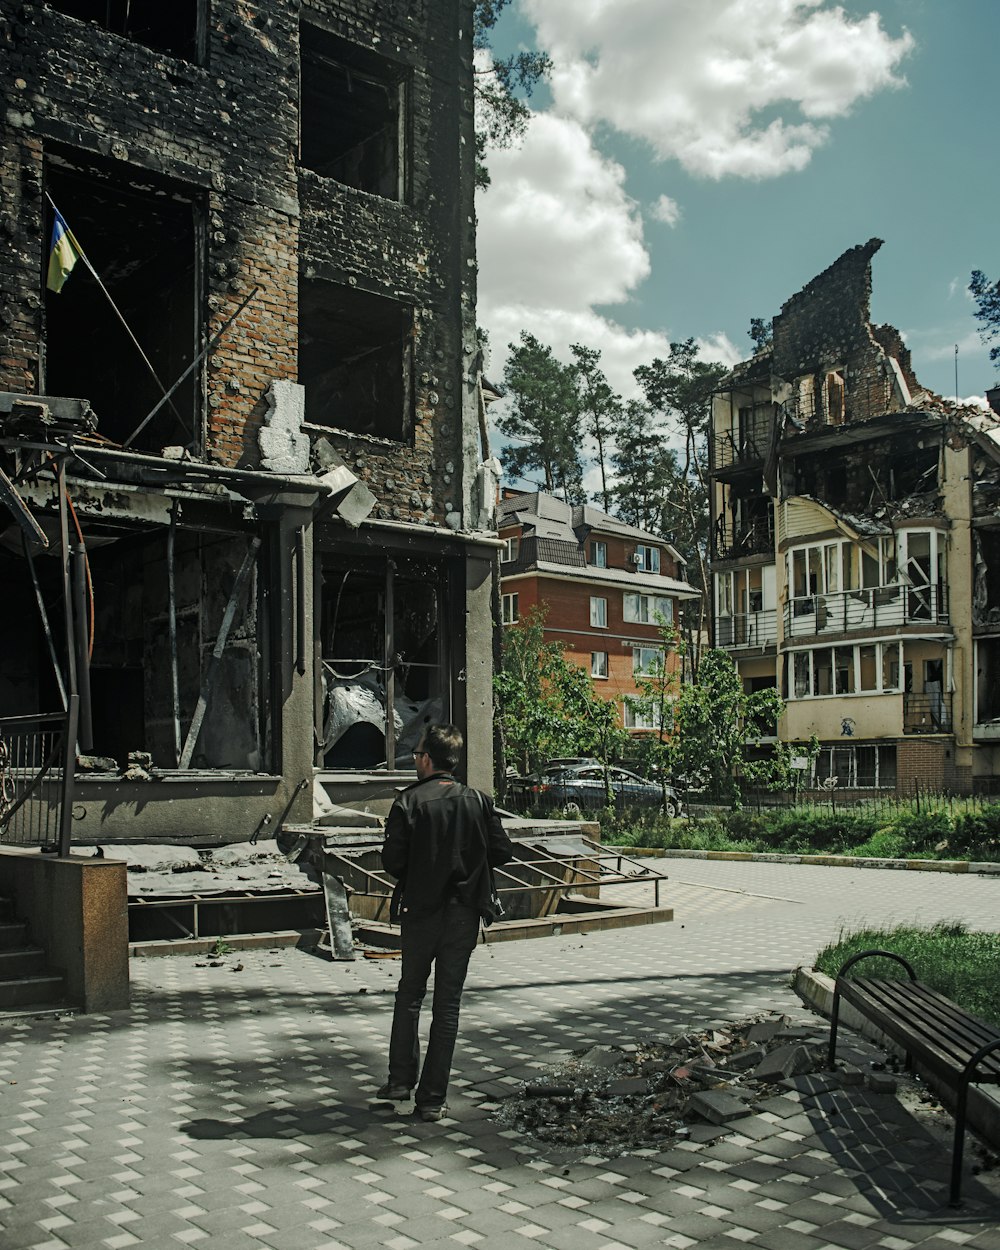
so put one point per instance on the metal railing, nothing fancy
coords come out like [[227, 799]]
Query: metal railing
[[748, 446], [927, 713], [731, 542], [747, 629], [37, 756], [880, 607]]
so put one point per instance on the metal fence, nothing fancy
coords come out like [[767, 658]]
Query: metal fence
[[33, 781]]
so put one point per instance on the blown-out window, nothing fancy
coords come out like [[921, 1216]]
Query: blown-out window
[[177, 28], [355, 359], [353, 118], [140, 236]]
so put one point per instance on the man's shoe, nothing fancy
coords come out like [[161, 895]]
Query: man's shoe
[[431, 1115], [394, 1093]]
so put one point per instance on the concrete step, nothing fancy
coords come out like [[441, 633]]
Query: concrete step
[[29, 991], [22, 961], [13, 933]]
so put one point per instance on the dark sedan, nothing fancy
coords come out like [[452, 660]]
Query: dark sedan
[[583, 786]]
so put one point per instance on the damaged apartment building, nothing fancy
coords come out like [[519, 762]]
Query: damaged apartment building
[[253, 405], [856, 548]]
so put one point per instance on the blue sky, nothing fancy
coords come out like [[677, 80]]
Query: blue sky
[[696, 162]]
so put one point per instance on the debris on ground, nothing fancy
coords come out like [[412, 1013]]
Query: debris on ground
[[655, 1092]]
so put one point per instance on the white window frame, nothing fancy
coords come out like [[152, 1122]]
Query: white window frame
[[654, 660], [509, 609], [598, 554], [804, 660], [647, 558], [598, 612], [644, 609], [599, 665], [511, 549], [633, 718]]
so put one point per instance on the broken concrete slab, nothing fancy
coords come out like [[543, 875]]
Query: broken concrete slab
[[717, 1106], [783, 1062]]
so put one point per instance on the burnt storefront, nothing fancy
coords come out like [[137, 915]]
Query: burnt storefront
[[245, 515]]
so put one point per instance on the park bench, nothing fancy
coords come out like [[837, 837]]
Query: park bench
[[955, 1048]]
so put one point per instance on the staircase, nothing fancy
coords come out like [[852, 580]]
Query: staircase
[[27, 987]]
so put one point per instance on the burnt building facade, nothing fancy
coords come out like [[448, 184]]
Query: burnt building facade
[[259, 386], [853, 563]]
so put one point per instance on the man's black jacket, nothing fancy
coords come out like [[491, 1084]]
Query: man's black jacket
[[439, 838]]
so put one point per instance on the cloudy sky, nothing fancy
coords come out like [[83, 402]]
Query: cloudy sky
[[693, 163]]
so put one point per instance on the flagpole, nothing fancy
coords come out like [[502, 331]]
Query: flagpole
[[128, 330]]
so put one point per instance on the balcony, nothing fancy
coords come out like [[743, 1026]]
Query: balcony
[[927, 713], [874, 608], [748, 629], [745, 447], [751, 538]]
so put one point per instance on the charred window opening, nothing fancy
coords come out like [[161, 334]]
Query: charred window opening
[[745, 527], [384, 643], [141, 237], [355, 359], [886, 472], [176, 28], [353, 114], [986, 595], [987, 680], [138, 601]]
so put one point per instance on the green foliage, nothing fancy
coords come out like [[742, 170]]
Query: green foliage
[[894, 830], [501, 113], [761, 333], [542, 419], [715, 720], [964, 966], [987, 297], [546, 704], [599, 408]]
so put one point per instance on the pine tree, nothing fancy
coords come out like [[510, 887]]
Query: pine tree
[[542, 420], [644, 466], [681, 388], [599, 407]]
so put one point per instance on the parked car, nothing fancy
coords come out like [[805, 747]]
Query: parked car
[[582, 785]]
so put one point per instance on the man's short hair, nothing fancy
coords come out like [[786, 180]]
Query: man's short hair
[[443, 743]]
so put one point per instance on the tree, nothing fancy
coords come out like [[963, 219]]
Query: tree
[[681, 388], [714, 722], [542, 419], [599, 407], [987, 297], [761, 333], [644, 467], [501, 115], [546, 705]]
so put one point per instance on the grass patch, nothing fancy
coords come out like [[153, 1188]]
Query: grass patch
[[948, 829], [964, 966]]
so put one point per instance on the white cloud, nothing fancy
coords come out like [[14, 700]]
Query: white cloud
[[700, 82], [557, 223], [666, 210]]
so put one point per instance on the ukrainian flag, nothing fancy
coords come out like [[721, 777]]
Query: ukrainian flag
[[63, 253]]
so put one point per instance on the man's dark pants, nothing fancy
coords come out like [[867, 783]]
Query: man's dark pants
[[446, 939]]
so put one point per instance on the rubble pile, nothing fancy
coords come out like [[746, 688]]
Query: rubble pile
[[654, 1092]]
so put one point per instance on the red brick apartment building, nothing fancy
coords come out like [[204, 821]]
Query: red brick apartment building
[[604, 586]]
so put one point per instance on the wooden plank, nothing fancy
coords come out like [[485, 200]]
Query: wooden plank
[[931, 1027]]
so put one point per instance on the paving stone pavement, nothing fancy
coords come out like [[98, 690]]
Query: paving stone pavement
[[234, 1103]]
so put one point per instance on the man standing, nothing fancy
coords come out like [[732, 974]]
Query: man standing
[[441, 839]]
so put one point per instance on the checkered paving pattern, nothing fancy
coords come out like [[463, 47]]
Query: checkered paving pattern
[[233, 1104]]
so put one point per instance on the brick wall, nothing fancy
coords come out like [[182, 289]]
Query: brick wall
[[925, 764], [226, 133]]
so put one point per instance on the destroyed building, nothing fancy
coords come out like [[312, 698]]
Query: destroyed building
[[254, 402], [856, 548]]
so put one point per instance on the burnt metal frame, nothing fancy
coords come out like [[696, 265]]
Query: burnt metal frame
[[960, 1077], [339, 862]]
